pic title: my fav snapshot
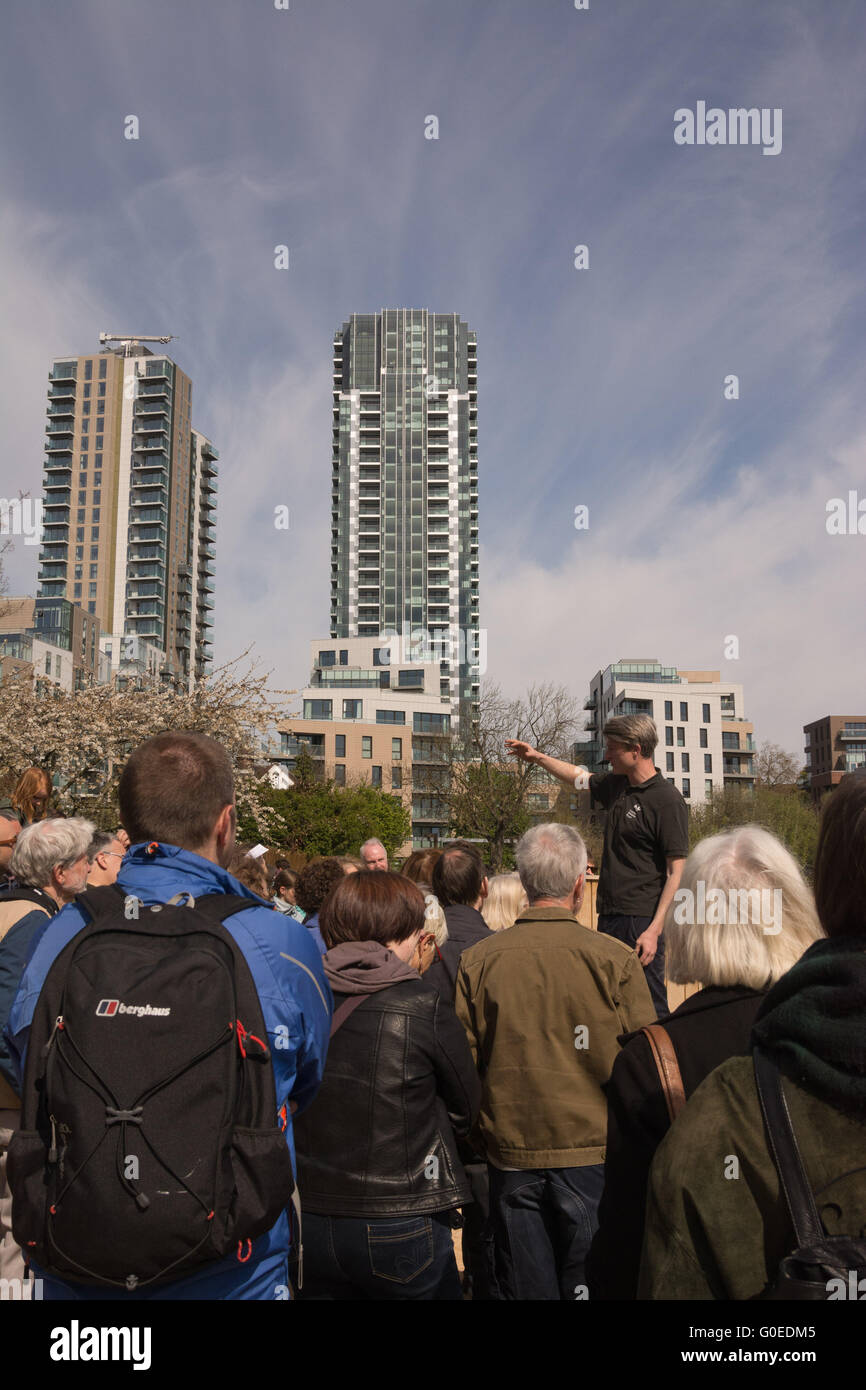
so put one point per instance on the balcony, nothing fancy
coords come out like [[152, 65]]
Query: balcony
[[65, 374], [55, 411], [154, 442], [55, 446], [149, 391]]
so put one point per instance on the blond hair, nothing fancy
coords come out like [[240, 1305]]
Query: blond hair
[[740, 863], [506, 899]]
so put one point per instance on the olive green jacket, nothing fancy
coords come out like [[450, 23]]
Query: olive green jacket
[[716, 1224], [543, 1005]]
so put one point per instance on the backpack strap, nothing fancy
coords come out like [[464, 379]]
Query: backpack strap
[[785, 1153], [24, 894], [100, 902], [668, 1068], [103, 901], [219, 906]]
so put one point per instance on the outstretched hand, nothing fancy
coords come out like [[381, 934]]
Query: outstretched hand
[[520, 749]]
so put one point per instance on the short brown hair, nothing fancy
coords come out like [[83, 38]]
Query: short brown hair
[[174, 787], [315, 882], [250, 872], [420, 865], [458, 874], [635, 731], [840, 858], [372, 906]]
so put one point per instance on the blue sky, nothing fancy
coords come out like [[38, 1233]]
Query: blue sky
[[601, 387]]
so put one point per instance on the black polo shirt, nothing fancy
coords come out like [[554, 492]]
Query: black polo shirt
[[645, 826]]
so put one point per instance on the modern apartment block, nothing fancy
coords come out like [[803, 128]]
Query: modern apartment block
[[54, 637], [130, 507], [370, 717], [705, 740], [404, 524], [834, 745]]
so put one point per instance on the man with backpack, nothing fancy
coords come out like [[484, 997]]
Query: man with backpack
[[48, 865], [164, 1034]]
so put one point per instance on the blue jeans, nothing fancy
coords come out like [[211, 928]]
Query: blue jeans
[[544, 1220], [401, 1257], [627, 930]]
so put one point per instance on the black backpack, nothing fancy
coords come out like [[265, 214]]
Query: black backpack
[[149, 1141], [817, 1258]]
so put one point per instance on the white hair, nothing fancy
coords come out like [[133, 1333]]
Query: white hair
[[50, 844], [740, 951], [550, 859]]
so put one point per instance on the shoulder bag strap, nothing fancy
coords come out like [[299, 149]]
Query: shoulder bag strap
[[668, 1068], [808, 1228], [347, 1007]]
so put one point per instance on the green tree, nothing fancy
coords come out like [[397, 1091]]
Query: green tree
[[789, 815], [321, 818]]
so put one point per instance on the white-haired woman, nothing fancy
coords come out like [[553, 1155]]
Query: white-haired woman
[[741, 918], [506, 899]]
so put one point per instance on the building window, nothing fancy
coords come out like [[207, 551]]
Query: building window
[[48, 664], [353, 709], [103, 367], [376, 779], [340, 746], [396, 749], [381, 656], [684, 759], [708, 762], [704, 738], [76, 592], [384, 680], [669, 735], [318, 709], [706, 714], [669, 762], [390, 716], [669, 709], [88, 370], [91, 591], [344, 657], [681, 738], [411, 680], [684, 710], [431, 723], [367, 746], [397, 778], [327, 658], [708, 786], [687, 789], [340, 774]]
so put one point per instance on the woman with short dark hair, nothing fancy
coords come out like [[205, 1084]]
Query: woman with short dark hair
[[377, 1158]]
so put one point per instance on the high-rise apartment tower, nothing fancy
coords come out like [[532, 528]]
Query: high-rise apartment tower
[[404, 525], [130, 507]]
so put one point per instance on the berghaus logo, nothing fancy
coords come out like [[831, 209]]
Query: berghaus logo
[[107, 1008]]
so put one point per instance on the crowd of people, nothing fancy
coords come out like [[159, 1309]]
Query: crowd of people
[[447, 1050]]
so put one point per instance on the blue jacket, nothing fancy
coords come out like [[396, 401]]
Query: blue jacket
[[296, 1003]]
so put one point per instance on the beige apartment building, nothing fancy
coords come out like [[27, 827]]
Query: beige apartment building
[[130, 499], [705, 739], [372, 714]]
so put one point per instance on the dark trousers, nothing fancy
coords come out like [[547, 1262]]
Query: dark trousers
[[544, 1220], [627, 930], [477, 1238], [401, 1257]]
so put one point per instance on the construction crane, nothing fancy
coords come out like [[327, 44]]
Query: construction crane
[[128, 342]]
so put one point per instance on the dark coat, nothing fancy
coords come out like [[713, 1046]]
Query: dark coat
[[399, 1083], [465, 927], [705, 1030]]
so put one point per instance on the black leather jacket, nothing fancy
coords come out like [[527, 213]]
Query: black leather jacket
[[399, 1083]]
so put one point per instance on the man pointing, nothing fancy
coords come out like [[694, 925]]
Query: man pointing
[[646, 839]]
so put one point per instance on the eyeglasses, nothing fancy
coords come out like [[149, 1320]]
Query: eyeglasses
[[7, 844]]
